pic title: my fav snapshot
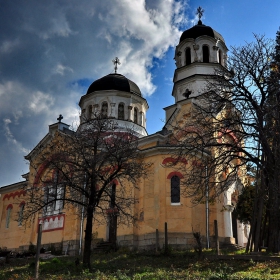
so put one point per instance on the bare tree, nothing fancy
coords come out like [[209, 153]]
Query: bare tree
[[83, 168], [234, 125]]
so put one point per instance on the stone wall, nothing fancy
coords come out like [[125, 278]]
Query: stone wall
[[71, 246]]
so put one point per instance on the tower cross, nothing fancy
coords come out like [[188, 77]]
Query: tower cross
[[60, 118], [199, 12], [116, 62], [187, 93]]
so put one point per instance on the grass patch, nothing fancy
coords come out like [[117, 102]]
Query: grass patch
[[128, 265]]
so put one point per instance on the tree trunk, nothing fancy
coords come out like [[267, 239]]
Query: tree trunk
[[257, 242], [251, 239], [273, 243], [248, 246], [258, 206], [88, 238]]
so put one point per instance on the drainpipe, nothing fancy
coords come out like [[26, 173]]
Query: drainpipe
[[207, 208], [82, 223]]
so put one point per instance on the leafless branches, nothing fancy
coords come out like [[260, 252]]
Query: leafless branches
[[235, 126], [96, 168]]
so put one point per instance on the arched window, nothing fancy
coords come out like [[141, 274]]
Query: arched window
[[8, 215], [54, 195], [20, 213], [104, 110], [205, 53], [141, 120], [89, 112], [188, 56], [113, 196], [175, 189], [135, 115], [220, 57], [121, 111]]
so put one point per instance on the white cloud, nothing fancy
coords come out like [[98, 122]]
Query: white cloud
[[5, 87], [41, 102], [17, 100], [11, 139], [142, 34], [60, 69], [17, 116]]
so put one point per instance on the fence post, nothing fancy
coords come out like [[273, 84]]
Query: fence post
[[157, 240], [166, 238], [38, 250]]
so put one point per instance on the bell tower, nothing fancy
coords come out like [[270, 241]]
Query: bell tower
[[200, 51]]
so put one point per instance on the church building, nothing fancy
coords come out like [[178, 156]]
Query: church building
[[199, 52]]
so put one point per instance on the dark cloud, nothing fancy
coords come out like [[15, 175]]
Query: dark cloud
[[50, 51]]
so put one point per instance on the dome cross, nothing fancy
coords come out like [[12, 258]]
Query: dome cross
[[199, 12], [116, 62]]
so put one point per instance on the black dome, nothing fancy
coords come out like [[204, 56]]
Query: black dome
[[200, 30], [115, 82]]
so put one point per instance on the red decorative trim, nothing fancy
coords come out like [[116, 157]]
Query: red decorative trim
[[44, 166], [227, 132], [22, 203], [115, 181], [112, 211], [108, 169], [197, 164], [9, 206], [14, 194], [174, 160], [175, 173], [187, 129], [49, 218]]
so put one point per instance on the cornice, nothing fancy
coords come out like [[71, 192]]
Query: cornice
[[13, 187], [39, 147], [109, 93]]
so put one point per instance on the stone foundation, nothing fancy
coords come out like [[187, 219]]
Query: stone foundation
[[180, 241], [71, 246]]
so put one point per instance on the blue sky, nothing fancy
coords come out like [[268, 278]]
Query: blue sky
[[51, 51]]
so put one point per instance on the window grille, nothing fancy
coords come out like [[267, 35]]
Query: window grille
[[54, 196], [121, 111], [104, 110], [135, 119]]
